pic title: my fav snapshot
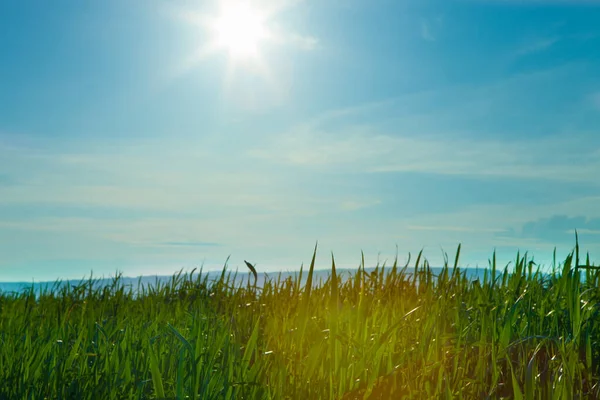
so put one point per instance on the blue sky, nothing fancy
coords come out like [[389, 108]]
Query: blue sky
[[360, 124]]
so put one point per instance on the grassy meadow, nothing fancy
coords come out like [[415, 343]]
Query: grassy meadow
[[395, 332]]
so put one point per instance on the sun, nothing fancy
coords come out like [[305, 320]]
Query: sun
[[239, 29], [242, 30]]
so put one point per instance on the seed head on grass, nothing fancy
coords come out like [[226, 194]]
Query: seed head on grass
[[253, 270]]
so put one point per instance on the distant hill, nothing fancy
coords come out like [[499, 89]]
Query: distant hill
[[241, 278]]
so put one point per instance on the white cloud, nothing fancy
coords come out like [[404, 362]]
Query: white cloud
[[407, 134], [587, 232], [426, 31], [244, 192], [353, 205], [595, 100], [200, 196], [306, 43], [376, 152], [437, 228], [430, 28], [538, 45], [482, 228]]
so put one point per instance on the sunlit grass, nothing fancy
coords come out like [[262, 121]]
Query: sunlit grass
[[395, 332]]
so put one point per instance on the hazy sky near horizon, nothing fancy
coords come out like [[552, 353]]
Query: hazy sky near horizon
[[126, 145]]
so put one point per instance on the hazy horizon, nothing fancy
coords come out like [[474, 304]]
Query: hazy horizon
[[241, 276], [151, 136]]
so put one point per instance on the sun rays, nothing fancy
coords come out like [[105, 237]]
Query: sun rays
[[240, 29]]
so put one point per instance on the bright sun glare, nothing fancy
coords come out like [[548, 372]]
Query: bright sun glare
[[239, 29]]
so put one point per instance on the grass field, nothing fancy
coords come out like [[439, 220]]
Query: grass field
[[396, 332]]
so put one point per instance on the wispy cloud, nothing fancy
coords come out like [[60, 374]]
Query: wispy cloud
[[595, 100], [430, 28], [307, 180], [556, 228], [6, 180], [484, 227], [406, 134], [304, 42], [589, 231], [190, 244], [358, 205], [426, 31], [437, 228], [537, 45], [374, 152], [178, 191]]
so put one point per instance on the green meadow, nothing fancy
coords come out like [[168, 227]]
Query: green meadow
[[397, 331]]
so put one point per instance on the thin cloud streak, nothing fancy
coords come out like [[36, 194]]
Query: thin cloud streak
[[379, 153], [595, 100], [453, 229], [537, 46], [426, 33], [189, 244], [304, 42]]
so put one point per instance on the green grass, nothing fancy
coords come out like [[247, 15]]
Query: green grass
[[397, 331]]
